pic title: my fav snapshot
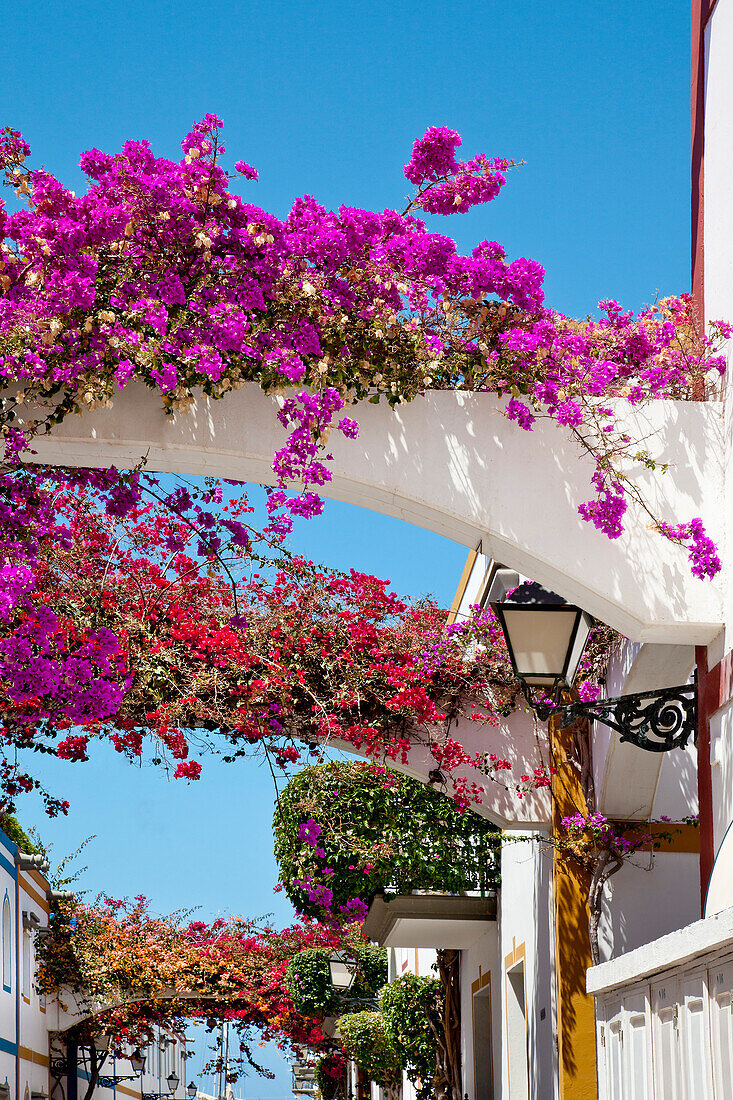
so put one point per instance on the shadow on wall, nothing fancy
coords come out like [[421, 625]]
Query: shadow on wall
[[576, 1014]]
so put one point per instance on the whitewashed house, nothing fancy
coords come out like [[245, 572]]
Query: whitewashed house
[[665, 1008], [35, 1062]]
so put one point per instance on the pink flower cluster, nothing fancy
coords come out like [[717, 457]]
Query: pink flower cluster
[[599, 829], [448, 186]]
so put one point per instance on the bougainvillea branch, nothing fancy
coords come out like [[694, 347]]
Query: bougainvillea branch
[[271, 655], [160, 272]]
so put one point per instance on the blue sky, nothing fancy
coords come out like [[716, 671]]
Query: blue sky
[[327, 99]]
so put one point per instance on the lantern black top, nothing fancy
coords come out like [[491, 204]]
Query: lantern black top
[[545, 636]]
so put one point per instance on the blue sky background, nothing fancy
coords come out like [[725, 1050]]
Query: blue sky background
[[327, 99]]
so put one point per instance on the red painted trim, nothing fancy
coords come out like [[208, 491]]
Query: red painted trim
[[711, 8], [708, 689], [701, 12]]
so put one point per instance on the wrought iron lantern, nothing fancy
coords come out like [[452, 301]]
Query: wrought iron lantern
[[137, 1061], [192, 1089], [545, 638], [173, 1081], [343, 971]]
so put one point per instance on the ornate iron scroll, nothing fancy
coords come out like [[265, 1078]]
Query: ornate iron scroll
[[653, 720]]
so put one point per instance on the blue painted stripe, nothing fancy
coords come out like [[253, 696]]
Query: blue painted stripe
[[10, 867], [11, 846], [8, 1047]]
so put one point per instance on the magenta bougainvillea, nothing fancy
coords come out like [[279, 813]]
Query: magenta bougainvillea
[[160, 273]]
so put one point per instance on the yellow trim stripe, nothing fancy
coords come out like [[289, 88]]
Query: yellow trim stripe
[[462, 585], [43, 902], [127, 1091], [668, 837], [34, 1056], [39, 879]]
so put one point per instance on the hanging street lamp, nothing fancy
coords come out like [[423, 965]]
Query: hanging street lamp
[[192, 1089], [173, 1081], [545, 639], [343, 971], [137, 1061]]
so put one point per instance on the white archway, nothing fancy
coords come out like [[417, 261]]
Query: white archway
[[452, 463]]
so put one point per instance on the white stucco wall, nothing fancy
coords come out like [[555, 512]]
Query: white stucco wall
[[721, 762], [452, 463], [632, 783], [650, 896], [481, 977]]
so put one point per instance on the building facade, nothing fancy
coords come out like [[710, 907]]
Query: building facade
[[35, 1061]]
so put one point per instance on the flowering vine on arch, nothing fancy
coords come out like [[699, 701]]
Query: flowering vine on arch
[[123, 970], [159, 272], [263, 658]]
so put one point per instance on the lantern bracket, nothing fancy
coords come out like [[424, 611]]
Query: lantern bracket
[[653, 720]]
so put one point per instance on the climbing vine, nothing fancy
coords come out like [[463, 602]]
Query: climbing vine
[[344, 831]]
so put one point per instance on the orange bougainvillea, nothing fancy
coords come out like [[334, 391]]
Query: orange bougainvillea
[[129, 970]]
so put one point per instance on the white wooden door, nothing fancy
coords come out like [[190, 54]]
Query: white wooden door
[[605, 1011], [694, 1037], [720, 984], [624, 1044], [668, 1080], [637, 1048], [615, 1054]]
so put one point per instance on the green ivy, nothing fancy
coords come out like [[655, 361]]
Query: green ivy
[[308, 979], [380, 830], [14, 831], [371, 969], [409, 1005], [365, 1040]]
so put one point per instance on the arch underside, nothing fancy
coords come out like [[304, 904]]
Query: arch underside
[[519, 739], [72, 1011], [451, 463]]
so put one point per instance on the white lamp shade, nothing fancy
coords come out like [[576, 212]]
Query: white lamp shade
[[545, 636], [343, 972]]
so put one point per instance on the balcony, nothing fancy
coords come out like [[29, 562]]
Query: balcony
[[429, 919]]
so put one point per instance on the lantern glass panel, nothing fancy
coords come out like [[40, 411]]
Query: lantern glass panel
[[582, 633], [540, 640], [342, 972]]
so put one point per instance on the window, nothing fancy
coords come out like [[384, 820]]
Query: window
[[26, 964], [7, 946], [516, 1023], [483, 1084]]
